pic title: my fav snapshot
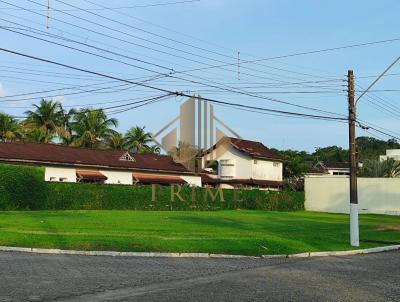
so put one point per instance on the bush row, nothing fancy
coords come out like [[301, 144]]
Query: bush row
[[24, 188]]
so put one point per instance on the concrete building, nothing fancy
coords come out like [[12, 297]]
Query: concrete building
[[391, 153], [69, 164], [241, 163]]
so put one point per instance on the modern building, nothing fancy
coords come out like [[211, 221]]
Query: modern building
[[234, 162], [330, 168], [391, 153], [69, 164]]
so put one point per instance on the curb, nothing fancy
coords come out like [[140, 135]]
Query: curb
[[197, 255]]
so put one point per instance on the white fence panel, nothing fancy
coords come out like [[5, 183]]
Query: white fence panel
[[331, 194]]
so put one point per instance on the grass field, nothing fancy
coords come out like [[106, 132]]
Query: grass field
[[232, 232]]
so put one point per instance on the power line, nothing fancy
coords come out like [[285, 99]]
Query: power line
[[128, 42], [168, 75], [147, 40], [168, 91], [120, 7]]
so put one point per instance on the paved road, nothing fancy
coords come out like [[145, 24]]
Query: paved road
[[32, 277]]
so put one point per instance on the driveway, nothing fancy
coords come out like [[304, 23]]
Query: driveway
[[33, 277]]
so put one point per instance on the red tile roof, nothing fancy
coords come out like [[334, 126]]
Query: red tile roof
[[252, 148], [208, 180], [63, 155], [336, 165], [90, 175], [253, 182], [148, 179]]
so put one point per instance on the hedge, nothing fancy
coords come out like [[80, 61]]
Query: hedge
[[24, 188]]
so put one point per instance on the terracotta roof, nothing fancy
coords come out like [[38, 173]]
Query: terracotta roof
[[90, 175], [63, 155], [206, 179], [251, 148], [254, 149], [253, 182], [322, 167], [146, 179], [335, 165]]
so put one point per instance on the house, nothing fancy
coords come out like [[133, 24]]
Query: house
[[391, 153], [69, 164], [241, 163], [330, 168]]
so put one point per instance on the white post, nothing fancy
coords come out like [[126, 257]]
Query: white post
[[354, 233]]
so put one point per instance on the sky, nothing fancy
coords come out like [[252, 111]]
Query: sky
[[189, 42]]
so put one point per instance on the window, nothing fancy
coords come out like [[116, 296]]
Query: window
[[255, 162], [127, 157], [340, 173], [53, 178], [276, 164], [227, 168], [63, 179]]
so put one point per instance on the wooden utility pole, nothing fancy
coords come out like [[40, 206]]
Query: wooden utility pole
[[354, 228]]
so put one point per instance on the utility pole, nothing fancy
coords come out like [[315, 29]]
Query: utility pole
[[354, 228]]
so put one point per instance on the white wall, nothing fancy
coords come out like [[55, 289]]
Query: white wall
[[265, 170], [113, 177], [68, 173], [331, 194], [118, 177], [243, 163], [192, 180]]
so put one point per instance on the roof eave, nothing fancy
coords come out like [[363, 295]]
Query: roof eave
[[7, 160]]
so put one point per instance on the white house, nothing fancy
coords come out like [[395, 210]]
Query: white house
[[69, 164], [330, 168], [391, 153], [244, 163]]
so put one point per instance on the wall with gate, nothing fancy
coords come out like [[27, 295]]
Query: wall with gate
[[331, 194]]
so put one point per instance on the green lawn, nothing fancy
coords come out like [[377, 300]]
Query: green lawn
[[232, 232]]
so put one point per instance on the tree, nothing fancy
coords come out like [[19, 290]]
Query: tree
[[138, 140], [376, 168], [371, 148], [116, 141], [91, 128], [153, 149], [49, 118], [185, 154], [331, 153], [67, 119], [10, 129]]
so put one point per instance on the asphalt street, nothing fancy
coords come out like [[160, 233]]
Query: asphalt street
[[34, 277]]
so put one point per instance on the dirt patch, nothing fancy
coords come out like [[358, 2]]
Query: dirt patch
[[388, 227]]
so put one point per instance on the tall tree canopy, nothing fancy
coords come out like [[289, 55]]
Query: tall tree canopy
[[49, 118], [91, 128], [9, 128], [138, 140]]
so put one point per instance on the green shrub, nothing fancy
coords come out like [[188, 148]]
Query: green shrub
[[23, 187]]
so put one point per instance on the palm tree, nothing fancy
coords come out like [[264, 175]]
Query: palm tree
[[67, 119], [376, 168], [91, 128], [116, 141], [37, 135], [49, 118], [9, 128], [155, 149], [137, 139]]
